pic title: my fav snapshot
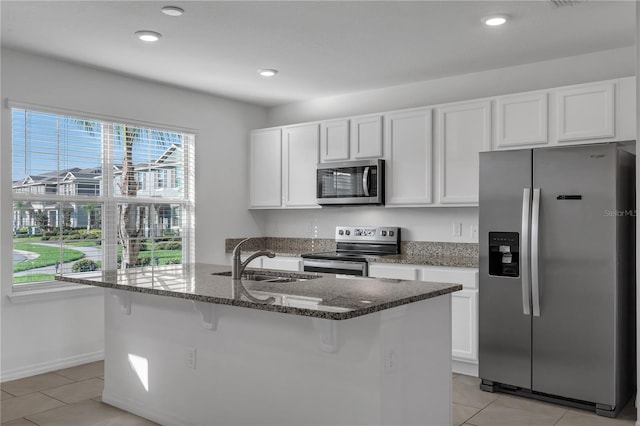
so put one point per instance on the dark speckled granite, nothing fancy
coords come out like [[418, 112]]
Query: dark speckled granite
[[430, 253], [327, 296]]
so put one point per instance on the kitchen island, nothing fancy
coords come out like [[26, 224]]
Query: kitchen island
[[325, 350]]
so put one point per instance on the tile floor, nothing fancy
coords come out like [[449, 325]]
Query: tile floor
[[71, 397], [471, 406]]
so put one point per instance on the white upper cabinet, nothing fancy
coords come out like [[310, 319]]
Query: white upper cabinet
[[522, 120], [300, 157], [409, 148], [366, 137], [265, 168], [586, 112], [464, 130], [356, 138], [334, 141]]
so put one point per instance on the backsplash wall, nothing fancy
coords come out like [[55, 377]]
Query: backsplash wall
[[418, 224]]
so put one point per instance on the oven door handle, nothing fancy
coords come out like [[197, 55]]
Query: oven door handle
[[330, 264], [365, 181]]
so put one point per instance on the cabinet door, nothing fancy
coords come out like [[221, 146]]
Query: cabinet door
[[408, 148], [464, 325], [334, 141], [522, 120], [366, 137], [586, 112], [300, 157], [464, 131], [265, 168]]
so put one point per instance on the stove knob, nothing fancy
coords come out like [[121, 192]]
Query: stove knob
[[340, 232], [384, 233], [391, 233], [347, 232]]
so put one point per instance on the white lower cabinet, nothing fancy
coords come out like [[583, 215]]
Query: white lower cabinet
[[464, 314], [282, 263], [464, 306]]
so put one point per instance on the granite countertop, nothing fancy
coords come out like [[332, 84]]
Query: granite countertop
[[430, 260], [325, 296], [428, 253]]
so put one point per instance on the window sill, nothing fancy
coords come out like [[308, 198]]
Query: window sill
[[58, 292]]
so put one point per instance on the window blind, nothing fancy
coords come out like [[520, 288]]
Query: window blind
[[92, 194]]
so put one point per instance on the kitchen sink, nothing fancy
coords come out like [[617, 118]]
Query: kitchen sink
[[271, 276]]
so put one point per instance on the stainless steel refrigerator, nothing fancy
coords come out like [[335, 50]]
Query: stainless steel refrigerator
[[557, 275]]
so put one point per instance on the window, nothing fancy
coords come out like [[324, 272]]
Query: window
[[84, 196]]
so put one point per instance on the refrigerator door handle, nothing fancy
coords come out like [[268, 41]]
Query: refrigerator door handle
[[535, 220], [526, 216]]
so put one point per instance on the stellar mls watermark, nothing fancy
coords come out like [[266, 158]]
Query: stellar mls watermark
[[620, 213]]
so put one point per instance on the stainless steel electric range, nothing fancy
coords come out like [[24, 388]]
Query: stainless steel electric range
[[355, 247]]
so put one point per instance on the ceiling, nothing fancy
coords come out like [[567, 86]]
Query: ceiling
[[321, 48]]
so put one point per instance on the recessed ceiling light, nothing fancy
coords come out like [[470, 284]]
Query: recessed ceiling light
[[149, 36], [172, 10], [267, 72], [495, 20]]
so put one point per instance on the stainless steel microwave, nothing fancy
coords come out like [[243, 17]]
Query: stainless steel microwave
[[351, 182]]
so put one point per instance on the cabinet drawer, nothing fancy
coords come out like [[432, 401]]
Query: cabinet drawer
[[468, 277], [399, 272]]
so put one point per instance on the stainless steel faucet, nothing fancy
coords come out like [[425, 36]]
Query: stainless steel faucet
[[239, 266]]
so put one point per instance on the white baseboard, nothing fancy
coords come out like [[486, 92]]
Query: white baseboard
[[466, 368], [139, 409], [45, 367]]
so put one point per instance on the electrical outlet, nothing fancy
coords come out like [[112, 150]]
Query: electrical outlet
[[457, 229], [474, 232], [390, 361], [190, 357]]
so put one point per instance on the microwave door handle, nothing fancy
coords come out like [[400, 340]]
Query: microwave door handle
[[365, 181]]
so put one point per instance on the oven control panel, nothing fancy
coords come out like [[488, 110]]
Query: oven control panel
[[381, 234]]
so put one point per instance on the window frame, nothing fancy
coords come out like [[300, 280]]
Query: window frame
[[36, 291]]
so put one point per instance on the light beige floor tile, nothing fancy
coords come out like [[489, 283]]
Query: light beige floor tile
[[22, 406], [510, 411], [77, 391], [466, 391], [462, 413], [19, 422], [574, 418], [84, 371], [85, 413], [127, 420], [34, 384], [6, 395]]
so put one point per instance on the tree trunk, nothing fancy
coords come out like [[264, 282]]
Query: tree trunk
[[131, 219]]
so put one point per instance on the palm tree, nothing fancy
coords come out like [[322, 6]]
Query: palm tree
[[131, 216], [91, 210]]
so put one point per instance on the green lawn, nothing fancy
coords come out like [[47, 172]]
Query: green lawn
[[163, 255], [32, 278], [49, 255], [86, 243]]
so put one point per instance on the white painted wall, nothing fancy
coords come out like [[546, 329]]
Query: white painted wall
[[430, 224], [37, 336]]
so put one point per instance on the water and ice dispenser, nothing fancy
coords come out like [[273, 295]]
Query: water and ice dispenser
[[504, 254]]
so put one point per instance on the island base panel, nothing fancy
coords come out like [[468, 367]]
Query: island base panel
[[266, 368]]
